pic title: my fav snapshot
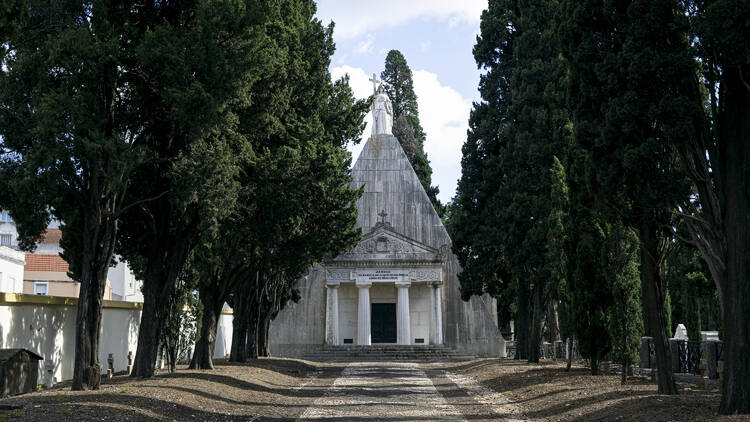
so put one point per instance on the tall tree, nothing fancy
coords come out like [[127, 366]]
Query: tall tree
[[198, 63], [399, 85], [589, 298], [517, 131], [69, 128], [621, 267], [627, 106], [712, 138]]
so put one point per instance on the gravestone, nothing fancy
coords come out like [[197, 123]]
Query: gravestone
[[680, 333]]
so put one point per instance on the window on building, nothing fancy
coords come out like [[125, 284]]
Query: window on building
[[40, 288], [5, 217], [5, 239]]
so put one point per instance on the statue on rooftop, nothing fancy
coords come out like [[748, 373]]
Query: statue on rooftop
[[382, 110]]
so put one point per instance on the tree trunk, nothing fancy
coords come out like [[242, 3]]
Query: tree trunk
[[263, 337], [570, 355], [166, 259], [97, 254], [654, 294], [522, 328], [734, 135], [553, 323], [241, 321], [254, 321], [537, 315], [625, 360], [595, 363], [212, 301], [252, 334]]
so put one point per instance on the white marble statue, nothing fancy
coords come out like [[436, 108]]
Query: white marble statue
[[382, 111]]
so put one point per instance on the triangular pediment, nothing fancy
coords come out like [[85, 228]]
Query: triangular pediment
[[384, 243]]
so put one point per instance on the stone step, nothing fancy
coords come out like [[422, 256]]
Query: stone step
[[390, 352]]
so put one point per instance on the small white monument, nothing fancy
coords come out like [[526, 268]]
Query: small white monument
[[382, 110], [681, 332]]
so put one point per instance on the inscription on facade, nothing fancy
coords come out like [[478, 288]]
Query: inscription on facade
[[382, 275]]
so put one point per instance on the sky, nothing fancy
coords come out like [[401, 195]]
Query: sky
[[436, 37]]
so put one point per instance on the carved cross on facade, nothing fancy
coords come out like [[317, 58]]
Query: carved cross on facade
[[374, 81], [383, 215]]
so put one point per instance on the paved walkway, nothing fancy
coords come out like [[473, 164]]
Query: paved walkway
[[394, 391]]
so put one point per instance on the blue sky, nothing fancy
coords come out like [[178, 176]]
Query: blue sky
[[436, 37]]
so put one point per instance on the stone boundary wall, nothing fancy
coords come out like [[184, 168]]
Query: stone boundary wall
[[46, 326]]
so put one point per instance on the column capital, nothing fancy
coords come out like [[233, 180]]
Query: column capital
[[333, 284], [364, 284], [403, 284]]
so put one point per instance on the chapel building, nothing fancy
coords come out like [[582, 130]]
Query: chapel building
[[399, 285]]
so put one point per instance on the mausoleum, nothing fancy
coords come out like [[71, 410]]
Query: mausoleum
[[399, 285]]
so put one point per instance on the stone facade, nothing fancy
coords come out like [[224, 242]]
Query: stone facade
[[404, 237]]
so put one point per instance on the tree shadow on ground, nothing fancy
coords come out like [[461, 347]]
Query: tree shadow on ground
[[699, 406]]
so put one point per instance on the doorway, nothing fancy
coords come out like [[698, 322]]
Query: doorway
[[383, 322]]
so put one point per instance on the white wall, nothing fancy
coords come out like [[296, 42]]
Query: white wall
[[9, 227], [124, 284], [11, 270], [49, 330], [419, 311], [348, 312]]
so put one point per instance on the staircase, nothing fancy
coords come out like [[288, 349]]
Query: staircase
[[386, 353]]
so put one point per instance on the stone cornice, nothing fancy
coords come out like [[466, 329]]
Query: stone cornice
[[12, 255]]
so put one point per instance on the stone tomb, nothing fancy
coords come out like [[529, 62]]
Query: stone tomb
[[402, 276], [388, 289]]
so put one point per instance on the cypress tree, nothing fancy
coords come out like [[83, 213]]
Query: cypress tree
[[399, 85], [712, 137], [503, 205], [625, 97], [68, 130]]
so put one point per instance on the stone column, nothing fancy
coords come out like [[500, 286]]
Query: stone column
[[439, 314], [363, 314], [403, 327], [332, 315], [433, 316]]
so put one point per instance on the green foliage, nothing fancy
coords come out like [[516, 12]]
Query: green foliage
[[506, 222], [294, 205], [620, 262], [181, 322], [692, 288], [398, 84]]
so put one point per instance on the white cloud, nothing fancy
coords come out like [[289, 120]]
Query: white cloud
[[444, 115], [365, 46], [354, 18], [424, 45]]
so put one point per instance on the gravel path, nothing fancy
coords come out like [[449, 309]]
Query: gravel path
[[394, 391]]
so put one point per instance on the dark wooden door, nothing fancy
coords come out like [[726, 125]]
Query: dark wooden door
[[383, 322]]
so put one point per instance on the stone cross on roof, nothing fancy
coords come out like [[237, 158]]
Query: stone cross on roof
[[383, 215], [374, 81]]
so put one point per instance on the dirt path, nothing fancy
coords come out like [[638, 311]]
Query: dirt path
[[393, 391]]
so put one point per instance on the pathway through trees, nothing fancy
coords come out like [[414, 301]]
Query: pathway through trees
[[393, 391]]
